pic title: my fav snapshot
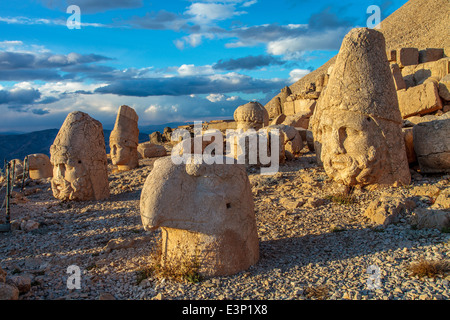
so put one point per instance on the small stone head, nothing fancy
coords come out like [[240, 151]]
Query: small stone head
[[124, 139], [251, 115]]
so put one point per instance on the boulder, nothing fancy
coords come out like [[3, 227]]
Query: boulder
[[208, 219], [442, 200], [22, 283], [8, 292], [78, 156], [278, 119], [289, 108], [156, 137], [40, 166], [292, 140], [151, 150], [357, 122], [298, 120], [432, 146], [417, 74], [444, 88], [424, 218], [304, 106], [387, 210], [419, 100]]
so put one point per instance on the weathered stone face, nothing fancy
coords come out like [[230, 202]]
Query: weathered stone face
[[357, 123], [78, 156], [208, 209], [352, 149], [124, 139]]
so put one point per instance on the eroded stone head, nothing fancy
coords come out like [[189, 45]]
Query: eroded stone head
[[78, 156], [357, 124], [251, 115], [124, 139], [206, 209]]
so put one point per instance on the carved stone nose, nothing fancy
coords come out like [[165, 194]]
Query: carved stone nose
[[337, 142]]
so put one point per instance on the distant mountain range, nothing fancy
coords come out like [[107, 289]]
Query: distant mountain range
[[17, 146]]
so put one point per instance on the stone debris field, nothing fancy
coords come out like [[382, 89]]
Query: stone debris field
[[311, 247]]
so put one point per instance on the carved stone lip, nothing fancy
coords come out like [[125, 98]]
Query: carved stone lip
[[340, 162]]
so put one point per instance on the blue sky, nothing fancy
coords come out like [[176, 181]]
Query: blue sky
[[174, 60]]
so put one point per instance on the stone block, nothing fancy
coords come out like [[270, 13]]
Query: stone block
[[432, 146], [407, 56], [398, 78], [419, 100], [430, 54]]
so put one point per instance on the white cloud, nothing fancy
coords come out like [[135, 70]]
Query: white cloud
[[215, 97], [206, 12], [297, 74], [36, 21], [249, 3], [292, 46], [192, 70]]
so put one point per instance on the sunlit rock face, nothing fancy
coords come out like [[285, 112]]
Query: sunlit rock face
[[124, 139], [357, 123], [78, 157]]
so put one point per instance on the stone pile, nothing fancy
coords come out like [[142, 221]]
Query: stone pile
[[422, 82]]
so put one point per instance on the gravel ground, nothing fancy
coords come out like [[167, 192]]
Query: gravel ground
[[310, 246]]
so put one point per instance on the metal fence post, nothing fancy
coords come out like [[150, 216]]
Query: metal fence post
[[7, 226]]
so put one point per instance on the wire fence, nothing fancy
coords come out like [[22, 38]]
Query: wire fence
[[11, 179]]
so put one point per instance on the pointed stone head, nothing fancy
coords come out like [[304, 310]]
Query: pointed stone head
[[78, 156], [124, 139], [357, 124]]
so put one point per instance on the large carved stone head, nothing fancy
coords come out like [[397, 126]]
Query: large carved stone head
[[124, 139], [357, 124], [78, 156]]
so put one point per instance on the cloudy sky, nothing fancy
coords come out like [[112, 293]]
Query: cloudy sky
[[172, 61]]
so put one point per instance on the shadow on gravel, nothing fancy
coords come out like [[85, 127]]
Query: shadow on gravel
[[324, 248]]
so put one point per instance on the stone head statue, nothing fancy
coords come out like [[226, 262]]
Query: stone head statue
[[357, 124], [204, 209], [251, 115], [124, 139], [78, 156]]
